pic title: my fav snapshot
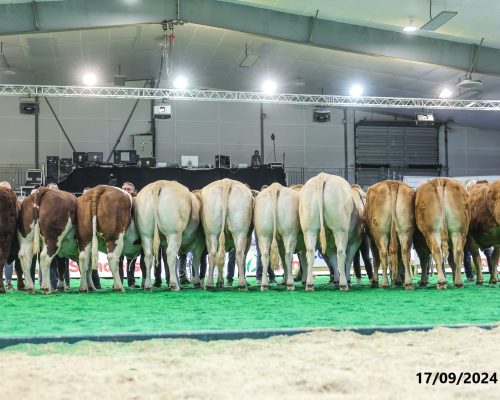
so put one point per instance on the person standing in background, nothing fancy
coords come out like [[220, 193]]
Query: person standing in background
[[256, 160]]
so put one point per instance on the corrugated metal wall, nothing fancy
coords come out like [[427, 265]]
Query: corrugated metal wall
[[392, 151]]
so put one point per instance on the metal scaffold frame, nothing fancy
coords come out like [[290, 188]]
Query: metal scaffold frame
[[247, 97]]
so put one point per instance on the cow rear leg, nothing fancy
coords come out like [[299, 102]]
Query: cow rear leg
[[434, 243], [406, 241], [212, 255], [147, 246], [494, 266], [265, 246], [310, 239], [83, 263], [476, 258], [458, 258], [195, 267], [25, 259], [382, 245], [341, 243], [45, 261], [3, 261], [173, 246], [290, 242], [376, 264]]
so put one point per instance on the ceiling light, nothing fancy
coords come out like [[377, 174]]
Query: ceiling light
[[180, 82], [410, 27], [356, 91], [89, 79], [269, 86], [9, 72], [438, 20], [445, 93]]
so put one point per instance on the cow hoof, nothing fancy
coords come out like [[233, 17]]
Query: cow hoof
[[30, 290], [83, 290], [264, 288], [422, 283], [148, 288], [290, 287], [209, 287], [220, 285], [442, 285], [385, 286], [409, 287], [493, 281], [119, 290], [309, 288], [374, 284], [479, 282], [46, 290], [175, 288], [2, 289], [344, 288], [197, 285], [243, 288]]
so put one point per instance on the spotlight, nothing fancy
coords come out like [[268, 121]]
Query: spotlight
[[269, 86], [89, 79], [445, 93], [410, 27], [180, 82], [356, 91]]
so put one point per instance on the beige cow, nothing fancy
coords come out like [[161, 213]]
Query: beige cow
[[325, 210], [484, 228], [390, 219], [276, 221], [442, 215], [166, 214], [227, 210]]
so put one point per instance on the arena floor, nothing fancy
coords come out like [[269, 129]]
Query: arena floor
[[136, 311], [319, 365]]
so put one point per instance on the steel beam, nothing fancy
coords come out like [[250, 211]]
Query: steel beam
[[249, 97], [17, 18]]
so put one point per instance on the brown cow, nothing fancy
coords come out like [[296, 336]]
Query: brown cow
[[8, 221], [484, 230], [47, 217], [442, 215], [104, 221], [390, 219]]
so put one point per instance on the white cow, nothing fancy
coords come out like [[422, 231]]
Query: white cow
[[227, 209], [325, 209], [355, 232], [166, 213], [276, 221]]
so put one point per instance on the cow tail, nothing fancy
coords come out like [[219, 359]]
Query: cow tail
[[275, 255], [322, 233], [444, 226], [393, 236], [221, 251], [93, 213], [39, 193], [156, 189]]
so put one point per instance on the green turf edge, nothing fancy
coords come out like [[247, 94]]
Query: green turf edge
[[210, 335]]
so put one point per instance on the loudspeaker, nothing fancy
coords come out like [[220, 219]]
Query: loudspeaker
[[53, 168]]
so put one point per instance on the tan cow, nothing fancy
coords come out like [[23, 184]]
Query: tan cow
[[167, 214], [8, 224], [442, 215], [104, 222], [484, 229], [47, 219], [276, 221], [390, 219], [227, 210], [325, 208]]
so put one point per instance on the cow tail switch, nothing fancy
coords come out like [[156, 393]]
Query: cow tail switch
[[226, 186], [275, 255], [322, 233]]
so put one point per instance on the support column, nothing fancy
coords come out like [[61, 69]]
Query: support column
[[37, 139]]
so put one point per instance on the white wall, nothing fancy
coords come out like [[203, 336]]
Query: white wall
[[206, 129]]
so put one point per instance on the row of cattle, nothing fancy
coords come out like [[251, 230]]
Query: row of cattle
[[440, 218]]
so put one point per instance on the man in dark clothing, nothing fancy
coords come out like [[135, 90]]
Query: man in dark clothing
[[256, 160]]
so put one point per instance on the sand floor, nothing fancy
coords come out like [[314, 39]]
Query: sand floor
[[319, 365]]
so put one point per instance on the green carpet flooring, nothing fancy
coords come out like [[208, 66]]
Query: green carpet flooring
[[105, 312]]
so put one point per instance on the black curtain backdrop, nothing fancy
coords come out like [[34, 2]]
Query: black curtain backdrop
[[193, 179]]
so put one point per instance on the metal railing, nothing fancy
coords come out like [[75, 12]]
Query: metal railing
[[15, 174], [300, 175]]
